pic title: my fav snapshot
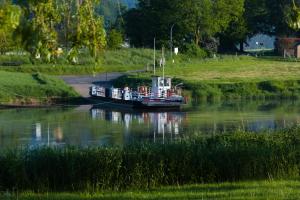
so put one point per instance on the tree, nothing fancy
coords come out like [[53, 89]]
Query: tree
[[193, 20], [89, 30], [42, 41], [9, 22], [114, 39], [293, 17]]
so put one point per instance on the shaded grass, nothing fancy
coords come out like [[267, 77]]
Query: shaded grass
[[32, 88], [275, 190], [220, 158]]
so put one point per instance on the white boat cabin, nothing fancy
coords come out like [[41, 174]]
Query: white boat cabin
[[160, 86]]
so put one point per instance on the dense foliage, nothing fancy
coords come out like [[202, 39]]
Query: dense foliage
[[51, 28], [234, 157], [198, 21], [9, 21]]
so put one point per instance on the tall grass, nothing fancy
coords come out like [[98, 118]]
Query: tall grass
[[235, 157]]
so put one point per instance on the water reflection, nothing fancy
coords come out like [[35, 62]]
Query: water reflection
[[86, 126], [158, 123]]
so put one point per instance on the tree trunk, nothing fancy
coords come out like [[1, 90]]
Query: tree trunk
[[78, 20], [241, 46], [197, 37]]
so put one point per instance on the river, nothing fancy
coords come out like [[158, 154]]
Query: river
[[87, 126]]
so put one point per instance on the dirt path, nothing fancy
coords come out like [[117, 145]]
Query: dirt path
[[81, 84]]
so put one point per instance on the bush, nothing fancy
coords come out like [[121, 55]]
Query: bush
[[114, 39], [192, 50]]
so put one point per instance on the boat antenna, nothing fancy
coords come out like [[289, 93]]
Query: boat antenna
[[154, 63]]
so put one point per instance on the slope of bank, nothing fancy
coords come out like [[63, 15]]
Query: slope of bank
[[33, 89]]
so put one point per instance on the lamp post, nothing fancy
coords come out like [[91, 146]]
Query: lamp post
[[171, 41]]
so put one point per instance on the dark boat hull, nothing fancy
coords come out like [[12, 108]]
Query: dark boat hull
[[105, 101]]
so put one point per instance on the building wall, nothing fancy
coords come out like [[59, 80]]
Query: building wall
[[286, 46]]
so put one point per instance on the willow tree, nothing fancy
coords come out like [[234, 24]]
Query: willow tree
[[9, 22], [89, 30], [42, 42]]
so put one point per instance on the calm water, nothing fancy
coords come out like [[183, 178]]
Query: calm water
[[87, 126]]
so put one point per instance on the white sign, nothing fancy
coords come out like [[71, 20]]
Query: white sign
[[176, 50]]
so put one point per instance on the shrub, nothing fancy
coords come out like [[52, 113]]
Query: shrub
[[114, 39], [192, 50]]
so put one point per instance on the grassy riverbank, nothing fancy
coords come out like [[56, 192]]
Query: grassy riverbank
[[35, 89], [275, 190], [194, 160], [202, 91], [210, 79]]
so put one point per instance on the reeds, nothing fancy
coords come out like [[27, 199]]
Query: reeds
[[232, 157]]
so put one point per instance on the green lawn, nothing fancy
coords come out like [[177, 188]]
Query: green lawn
[[233, 69], [32, 88], [224, 68], [273, 190]]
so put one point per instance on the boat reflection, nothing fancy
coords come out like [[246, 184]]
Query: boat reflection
[[159, 124]]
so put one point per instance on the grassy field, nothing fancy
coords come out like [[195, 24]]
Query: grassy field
[[111, 61], [23, 88], [223, 69], [226, 69], [259, 190]]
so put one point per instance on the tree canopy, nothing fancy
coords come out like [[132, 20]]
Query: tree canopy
[[198, 21], [9, 22]]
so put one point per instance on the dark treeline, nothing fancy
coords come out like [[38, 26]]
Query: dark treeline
[[219, 158], [198, 26], [210, 24]]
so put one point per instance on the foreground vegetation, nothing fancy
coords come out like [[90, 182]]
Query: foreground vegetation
[[258, 190], [23, 88], [220, 158]]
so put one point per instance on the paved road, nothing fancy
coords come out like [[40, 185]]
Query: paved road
[[82, 83]]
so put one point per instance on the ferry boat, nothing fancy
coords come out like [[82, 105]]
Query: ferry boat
[[161, 95]]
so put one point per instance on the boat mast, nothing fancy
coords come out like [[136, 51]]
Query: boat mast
[[154, 63], [163, 65]]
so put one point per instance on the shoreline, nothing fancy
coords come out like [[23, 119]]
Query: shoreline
[[80, 101]]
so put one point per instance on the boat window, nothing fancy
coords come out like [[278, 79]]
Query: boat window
[[161, 82], [167, 82]]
